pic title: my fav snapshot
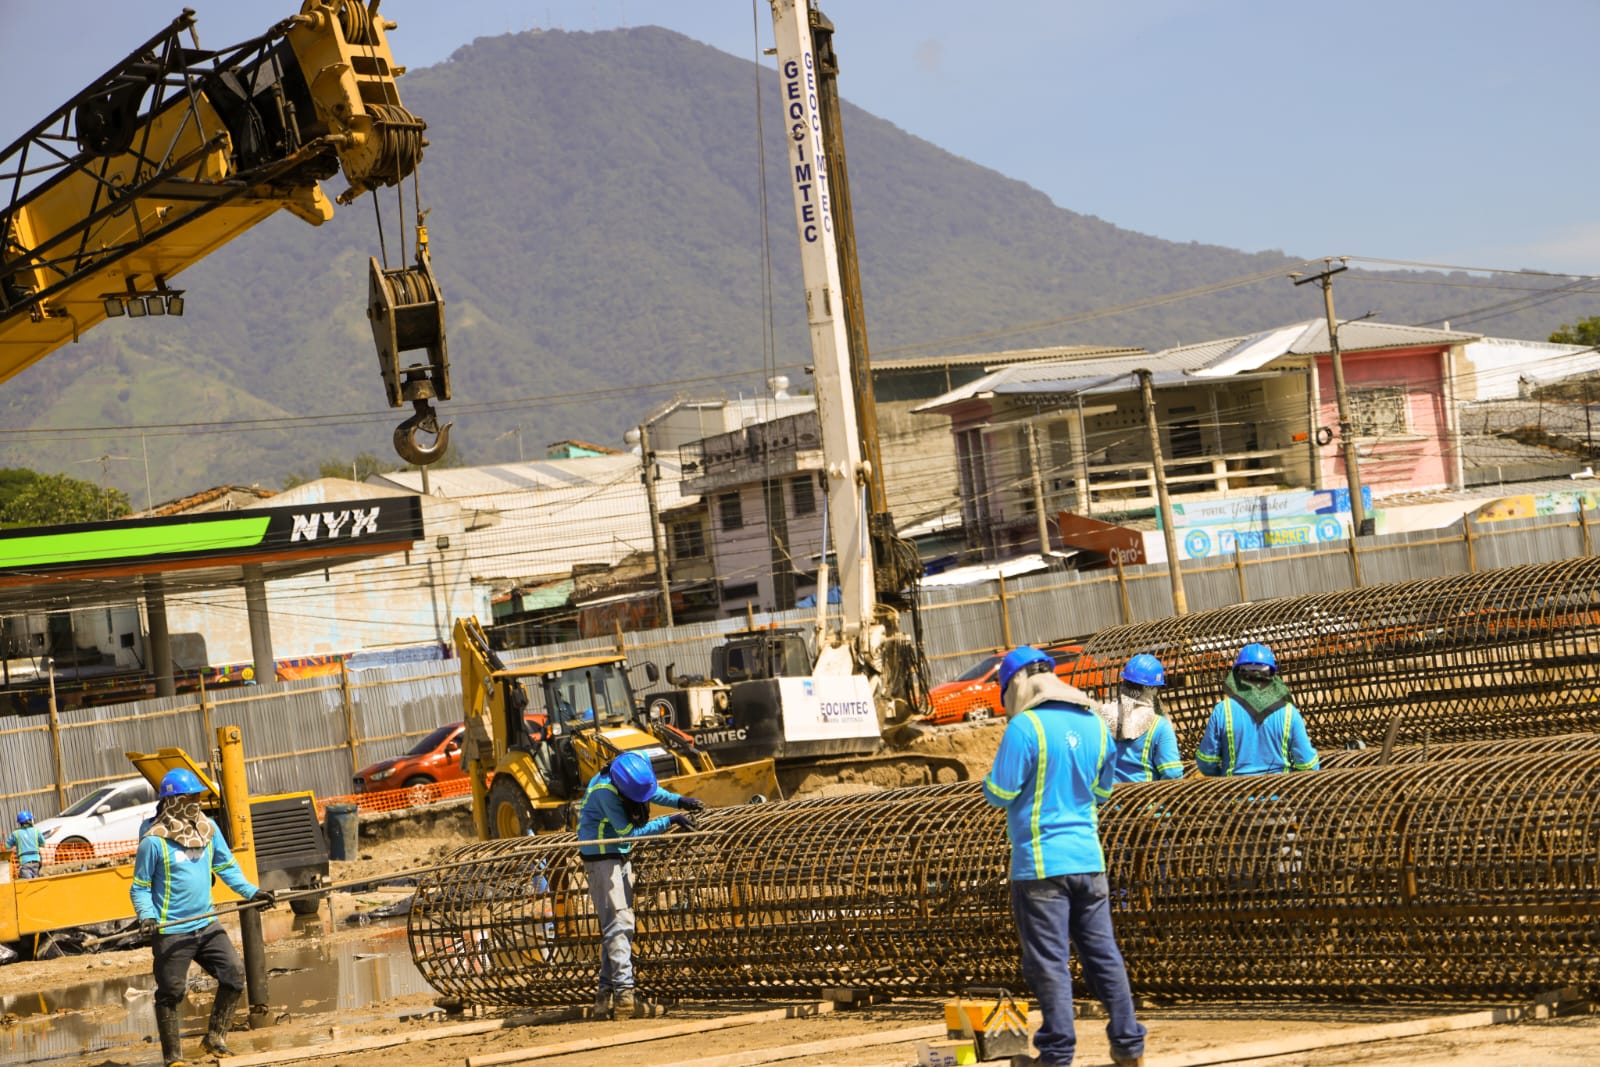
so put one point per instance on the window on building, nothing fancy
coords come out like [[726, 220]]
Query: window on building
[[730, 511], [803, 491], [688, 541], [1378, 411]]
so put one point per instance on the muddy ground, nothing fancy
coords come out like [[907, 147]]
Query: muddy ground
[[335, 980]]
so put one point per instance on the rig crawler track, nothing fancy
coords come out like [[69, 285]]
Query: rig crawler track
[[1469, 657], [1465, 878]]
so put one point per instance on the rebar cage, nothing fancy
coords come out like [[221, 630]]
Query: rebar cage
[[1513, 652], [1456, 878]]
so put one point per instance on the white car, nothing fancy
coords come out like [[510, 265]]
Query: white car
[[104, 823]]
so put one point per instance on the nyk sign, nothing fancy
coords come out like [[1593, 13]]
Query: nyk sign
[[331, 523], [248, 535]]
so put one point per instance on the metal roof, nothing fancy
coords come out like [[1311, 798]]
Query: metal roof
[[999, 359]]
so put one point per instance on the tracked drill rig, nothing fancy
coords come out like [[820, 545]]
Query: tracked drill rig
[[176, 150]]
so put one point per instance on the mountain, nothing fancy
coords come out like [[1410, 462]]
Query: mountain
[[596, 226]]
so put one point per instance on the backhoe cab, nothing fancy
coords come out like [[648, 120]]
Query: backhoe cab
[[523, 786]]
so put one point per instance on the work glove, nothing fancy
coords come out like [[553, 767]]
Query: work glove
[[682, 821], [149, 927], [265, 897], [691, 804]]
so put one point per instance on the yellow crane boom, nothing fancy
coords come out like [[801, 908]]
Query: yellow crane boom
[[178, 149]]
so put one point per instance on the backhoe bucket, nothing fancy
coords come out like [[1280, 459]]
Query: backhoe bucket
[[726, 787]]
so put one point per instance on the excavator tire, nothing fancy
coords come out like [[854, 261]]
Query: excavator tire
[[510, 811]]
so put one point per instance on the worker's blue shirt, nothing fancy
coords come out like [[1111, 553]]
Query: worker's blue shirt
[[1053, 768], [1235, 743], [25, 841], [1151, 756], [173, 882], [605, 817]]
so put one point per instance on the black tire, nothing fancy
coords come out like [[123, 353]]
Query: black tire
[[416, 780], [306, 905], [510, 811]]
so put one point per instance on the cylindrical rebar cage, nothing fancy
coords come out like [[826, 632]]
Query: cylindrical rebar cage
[[1467, 878], [1473, 750], [1465, 657]]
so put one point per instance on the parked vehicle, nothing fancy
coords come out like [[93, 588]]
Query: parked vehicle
[[974, 695], [103, 823], [434, 759]]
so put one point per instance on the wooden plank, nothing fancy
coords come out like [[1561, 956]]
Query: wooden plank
[[630, 1037], [366, 1044], [1355, 1035], [749, 1057]]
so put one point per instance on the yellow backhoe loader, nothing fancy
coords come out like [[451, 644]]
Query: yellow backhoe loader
[[524, 784]]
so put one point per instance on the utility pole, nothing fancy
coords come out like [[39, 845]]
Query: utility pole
[[1038, 490], [1352, 473], [1180, 601], [648, 458]]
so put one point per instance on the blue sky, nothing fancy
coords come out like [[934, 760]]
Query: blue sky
[[1444, 133]]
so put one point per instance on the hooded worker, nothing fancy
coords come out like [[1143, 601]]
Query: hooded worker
[[616, 809], [180, 851], [1147, 746], [1052, 771], [1255, 728]]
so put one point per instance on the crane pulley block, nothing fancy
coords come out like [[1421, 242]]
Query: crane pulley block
[[406, 311]]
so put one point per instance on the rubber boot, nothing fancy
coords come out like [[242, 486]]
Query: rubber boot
[[602, 1005], [170, 1028], [216, 1039], [623, 1003]]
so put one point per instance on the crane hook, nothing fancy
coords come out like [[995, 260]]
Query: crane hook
[[425, 420]]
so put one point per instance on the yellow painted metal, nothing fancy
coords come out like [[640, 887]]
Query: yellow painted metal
[[78, 898], [551, 666]]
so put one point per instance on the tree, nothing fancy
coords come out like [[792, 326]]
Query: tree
[[1586, 332], [56, 499]]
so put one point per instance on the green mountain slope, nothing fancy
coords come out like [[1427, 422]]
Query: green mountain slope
[[596, 226]]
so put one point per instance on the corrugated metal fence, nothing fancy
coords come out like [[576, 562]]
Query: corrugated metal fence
[[314, 733]]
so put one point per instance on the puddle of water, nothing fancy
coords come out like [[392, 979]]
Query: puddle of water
[[304, 977]]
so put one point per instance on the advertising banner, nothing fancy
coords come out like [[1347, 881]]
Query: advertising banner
[[825, 707], [1116, 543], [1217, 527], [1534, 505]]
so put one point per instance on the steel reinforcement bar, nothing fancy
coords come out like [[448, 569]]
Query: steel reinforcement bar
[[1466, 657], [1474, 750], [1437, 880]]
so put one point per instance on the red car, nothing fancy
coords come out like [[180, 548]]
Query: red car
[[975, 694], [435, 758]]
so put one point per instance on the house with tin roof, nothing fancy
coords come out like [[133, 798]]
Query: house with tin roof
[[1237, 417]]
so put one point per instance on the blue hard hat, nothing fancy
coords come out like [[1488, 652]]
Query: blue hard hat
[[1256, 655], [180, 782], [633, 776], [1144, 669], [24, 818], [1017, 659]]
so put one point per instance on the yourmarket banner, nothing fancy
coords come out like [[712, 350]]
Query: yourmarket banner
[[1218, 527]]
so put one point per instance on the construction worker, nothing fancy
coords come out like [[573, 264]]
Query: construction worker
[[1147, 747], [180, 851], [1054, 767], [616, 808], [23, 843], [1255, 728]]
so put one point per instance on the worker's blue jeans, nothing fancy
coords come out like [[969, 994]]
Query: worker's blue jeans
[[1054, 916], [28, 869], [611, 889]]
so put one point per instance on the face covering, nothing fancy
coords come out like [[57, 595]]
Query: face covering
[[180, 820]]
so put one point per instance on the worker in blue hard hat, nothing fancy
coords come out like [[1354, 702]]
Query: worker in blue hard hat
[[1255, 728], [616, 809], [1147, 746], [1054, 767], [23, 843], [180, 851]]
